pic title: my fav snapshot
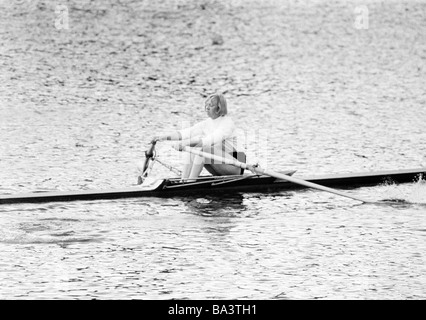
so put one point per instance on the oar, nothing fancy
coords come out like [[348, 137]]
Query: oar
[[149, 155], [277, 175]]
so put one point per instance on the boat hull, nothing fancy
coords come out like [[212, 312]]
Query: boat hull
[[211, 185]]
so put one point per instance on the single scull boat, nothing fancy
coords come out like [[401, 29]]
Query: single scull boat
[[216, 184], [260, 181]]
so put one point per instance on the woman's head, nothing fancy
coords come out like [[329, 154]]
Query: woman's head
[[216, 106]]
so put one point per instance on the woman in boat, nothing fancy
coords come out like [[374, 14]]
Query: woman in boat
[[215, 135]]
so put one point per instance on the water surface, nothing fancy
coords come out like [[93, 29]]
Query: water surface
[[309, 90]]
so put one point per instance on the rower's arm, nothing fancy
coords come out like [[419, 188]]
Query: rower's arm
[[173, 136], [184, 134], [191, 142]]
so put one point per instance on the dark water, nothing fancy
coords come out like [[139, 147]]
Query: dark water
[[310, 91]]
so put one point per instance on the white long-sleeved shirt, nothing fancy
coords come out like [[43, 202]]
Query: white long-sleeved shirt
[[214, 132]]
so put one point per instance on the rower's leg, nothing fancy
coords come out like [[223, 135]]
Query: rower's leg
[[187, 165], [197, 167], [222, 169], [194, 165], [219, 169]]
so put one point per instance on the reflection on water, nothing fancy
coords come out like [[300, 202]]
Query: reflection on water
[[307, 245], [218, 206]]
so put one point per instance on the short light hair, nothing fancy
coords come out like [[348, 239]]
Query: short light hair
[[219, 100]]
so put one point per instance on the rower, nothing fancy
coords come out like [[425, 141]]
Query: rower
[[214, 135]]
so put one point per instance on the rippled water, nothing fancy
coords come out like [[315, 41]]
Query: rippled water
[[313, 93]]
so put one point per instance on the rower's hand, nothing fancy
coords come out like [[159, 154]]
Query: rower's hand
[[155, 139], [253, 168]]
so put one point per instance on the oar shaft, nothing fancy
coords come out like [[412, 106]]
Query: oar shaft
[[270, 173], [309, 184]]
